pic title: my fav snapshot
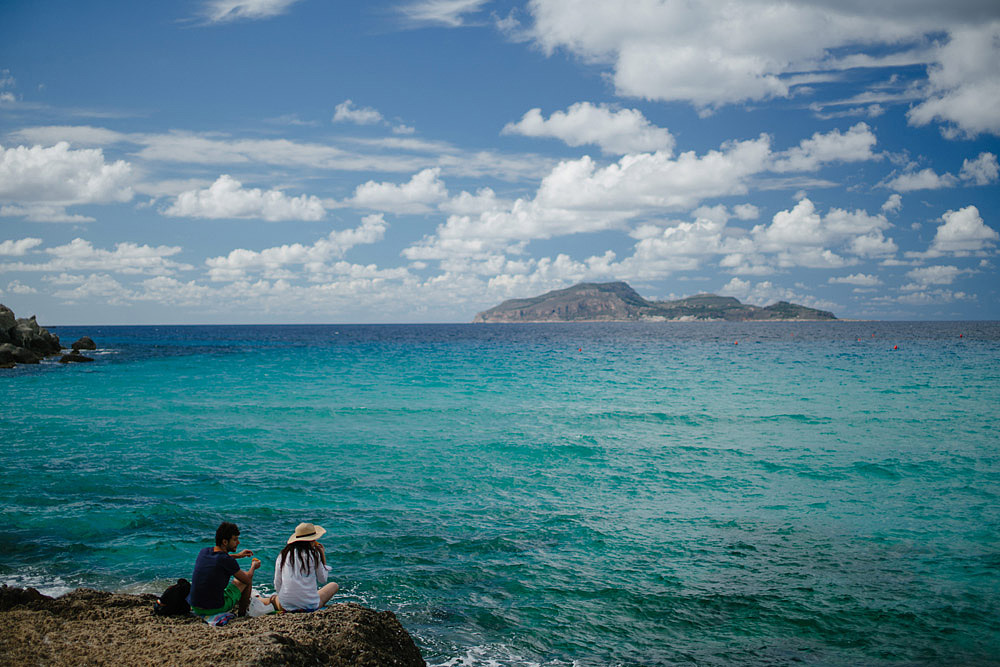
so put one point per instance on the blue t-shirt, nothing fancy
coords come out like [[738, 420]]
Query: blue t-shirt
[[212, 572]]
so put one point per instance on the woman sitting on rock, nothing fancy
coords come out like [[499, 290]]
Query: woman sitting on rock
[[299, 569]]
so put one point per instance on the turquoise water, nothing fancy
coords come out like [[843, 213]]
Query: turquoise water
[[589, 494]]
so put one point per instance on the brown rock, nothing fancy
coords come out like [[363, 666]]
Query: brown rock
[[73, 358], [98, 628], [85, 343]]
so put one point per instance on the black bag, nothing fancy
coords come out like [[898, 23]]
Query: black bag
[[174, 602]]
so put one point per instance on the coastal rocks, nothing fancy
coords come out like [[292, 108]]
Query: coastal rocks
[[74, 357], [85, 343], [23, 341], [11, 354], [95, 627]]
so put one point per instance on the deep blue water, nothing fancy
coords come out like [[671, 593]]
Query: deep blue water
[[589, 494]]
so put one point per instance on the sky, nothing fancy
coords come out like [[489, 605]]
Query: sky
[[308, 161]]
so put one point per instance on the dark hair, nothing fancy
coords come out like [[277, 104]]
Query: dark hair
[[306, 553], [224, 532]]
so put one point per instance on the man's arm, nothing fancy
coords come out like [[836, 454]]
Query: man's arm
[[247, 577], [243, 554]]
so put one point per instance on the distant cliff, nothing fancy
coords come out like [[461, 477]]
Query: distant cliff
[[616, 302]]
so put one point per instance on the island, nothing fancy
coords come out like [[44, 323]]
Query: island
[[618, 302]]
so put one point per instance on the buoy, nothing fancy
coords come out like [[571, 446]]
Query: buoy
[[579, 349], [895, 347], [736, 342], [959, 335]]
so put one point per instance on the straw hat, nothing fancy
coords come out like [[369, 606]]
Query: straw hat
[[306, 532]]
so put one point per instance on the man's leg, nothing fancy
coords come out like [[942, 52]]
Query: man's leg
[[244, 603]]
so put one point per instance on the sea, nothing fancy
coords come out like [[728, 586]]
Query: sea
[[574, 494]]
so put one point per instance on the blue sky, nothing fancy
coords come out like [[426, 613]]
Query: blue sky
[[256, 161]]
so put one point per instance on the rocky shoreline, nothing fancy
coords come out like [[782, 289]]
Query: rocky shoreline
[[23, 341], [89, 627]]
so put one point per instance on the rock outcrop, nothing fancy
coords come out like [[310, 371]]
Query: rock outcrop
[[617, 302], [23, 341], [88, 627], [84, 343]]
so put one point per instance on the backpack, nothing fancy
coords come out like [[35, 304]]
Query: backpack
[[174, 602]]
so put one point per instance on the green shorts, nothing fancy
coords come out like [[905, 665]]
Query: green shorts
[[230, 597]]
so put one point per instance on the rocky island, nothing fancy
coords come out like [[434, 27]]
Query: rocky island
[[618, 302], [88, 627]]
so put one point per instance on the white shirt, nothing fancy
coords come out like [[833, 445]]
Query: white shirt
[[297, 589]]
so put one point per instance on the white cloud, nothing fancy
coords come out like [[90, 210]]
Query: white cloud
[[746, 211], [346, 112], [859, 279], [77, 135], [19, 247], [42, 213], [855, 145], [416, 196], [766, 292], [932, 275], [717, 52], [314, 259], [95, 287], [925, 179], [62, 176], [616, 132], [579, 196], [466, 203], [654, 180], [934, 297], [963, 231], [893, 204], [964, 83], [17, 287], [226, 198], [447, 13], [224, 11], [803, 226], [128, 258], [981, 171], [387, 154]]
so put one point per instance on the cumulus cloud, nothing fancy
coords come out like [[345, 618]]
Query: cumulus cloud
[[19, 247], [855, 145], [981, 171], [766, 292], [715, 52], [963, 231], [925, 179], [893, 204], [580, 196], [346, 112], [964, 83], [415, 196], [127, 258], [800, 235], [226, 198], [17, 287], [61, 176], [226, 11], [314, 259], [932, 275], [858, 279], [615, 132]]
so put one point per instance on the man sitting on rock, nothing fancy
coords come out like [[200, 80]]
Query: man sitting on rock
[[212, 592]]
